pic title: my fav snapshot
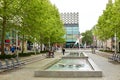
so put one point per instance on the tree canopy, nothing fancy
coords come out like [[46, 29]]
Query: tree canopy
[[36, 20], [87, 37], [109, 22]]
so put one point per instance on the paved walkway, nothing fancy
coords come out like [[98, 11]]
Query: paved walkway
[[111, 71]]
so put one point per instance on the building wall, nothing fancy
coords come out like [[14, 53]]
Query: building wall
[[108, 44], [12, 39], [71, 24], [72, 32]]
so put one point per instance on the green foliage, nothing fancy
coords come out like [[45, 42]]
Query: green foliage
[[4, 56], [24, 54], [87, 37], [42, 22], [35, 20], [109, 51], [109, 22], [43, 51]]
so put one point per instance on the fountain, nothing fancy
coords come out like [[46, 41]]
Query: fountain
[[75, 55], [71, 66]]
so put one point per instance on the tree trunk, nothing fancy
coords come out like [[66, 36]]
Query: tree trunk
[[41, 47], [22, 44], [106, 45], [3, 35], [3, 29], [111, 45]]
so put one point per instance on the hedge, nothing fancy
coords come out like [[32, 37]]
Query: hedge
[[4, 56]]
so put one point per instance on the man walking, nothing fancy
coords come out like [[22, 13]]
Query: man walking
[[63, 51]]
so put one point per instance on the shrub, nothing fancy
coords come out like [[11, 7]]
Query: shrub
[[4, 56], [107, 51], [24, 54], [32, 53], [37, 53], [44, 51]]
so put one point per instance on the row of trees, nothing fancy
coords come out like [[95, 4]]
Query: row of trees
[[109, 22], [34, 20]]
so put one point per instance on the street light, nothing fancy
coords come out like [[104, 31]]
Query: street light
[[17, 44], [49, 43], [115, 43]]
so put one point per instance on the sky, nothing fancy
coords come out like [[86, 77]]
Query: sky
[[89, 10]]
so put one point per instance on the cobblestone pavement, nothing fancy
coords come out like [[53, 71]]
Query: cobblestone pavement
[[111, 70]]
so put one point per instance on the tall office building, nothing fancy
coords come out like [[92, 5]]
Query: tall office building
[[71, 24]]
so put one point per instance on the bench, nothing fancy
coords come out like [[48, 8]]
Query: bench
[[10, 64], [115, 57], [2, 67], [14, 64], [19, 62]]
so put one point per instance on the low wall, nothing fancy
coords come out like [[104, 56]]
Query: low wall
[[68, 74]]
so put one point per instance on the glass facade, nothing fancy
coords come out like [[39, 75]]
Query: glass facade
[[71, 24], [72, 33]]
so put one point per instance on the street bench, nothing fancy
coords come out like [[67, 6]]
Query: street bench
[[10, 64], [2, 67], [5, 66], [15, 63], [115, 57], [19, 62]]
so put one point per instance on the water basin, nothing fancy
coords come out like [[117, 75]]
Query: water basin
[[71, 65]]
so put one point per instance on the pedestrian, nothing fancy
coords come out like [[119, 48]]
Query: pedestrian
[[93, 49], [63, 51], [6, 50], [12, 49]]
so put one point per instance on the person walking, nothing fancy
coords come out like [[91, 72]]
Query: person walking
[[63, 51], [12, 49]]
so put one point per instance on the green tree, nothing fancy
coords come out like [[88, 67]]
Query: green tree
[[35, 20], [44, 26], [103, 30], [8, 11], [109, 22], [87, 37]]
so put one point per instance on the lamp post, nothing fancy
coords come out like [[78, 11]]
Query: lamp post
[[17, 43], [49, 43], [115, 43], [80, 40]]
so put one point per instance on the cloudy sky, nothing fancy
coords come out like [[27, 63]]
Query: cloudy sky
[[89, 10]]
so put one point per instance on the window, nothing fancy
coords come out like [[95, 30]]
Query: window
[[69, 32]]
